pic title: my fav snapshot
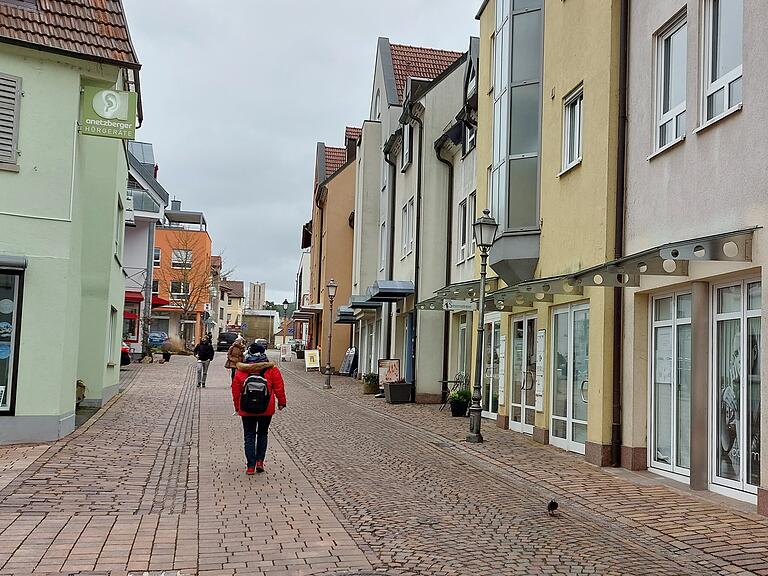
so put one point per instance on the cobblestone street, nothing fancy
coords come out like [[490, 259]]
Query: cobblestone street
[[155, 481]]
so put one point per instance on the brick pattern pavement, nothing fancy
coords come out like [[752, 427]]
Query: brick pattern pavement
[[611, 522]]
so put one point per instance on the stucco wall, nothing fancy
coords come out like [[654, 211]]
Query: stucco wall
[[367, 192]]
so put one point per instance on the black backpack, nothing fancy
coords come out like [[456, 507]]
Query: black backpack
[[255, 396]]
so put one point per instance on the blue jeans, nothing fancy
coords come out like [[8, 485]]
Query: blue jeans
[[255, 435]]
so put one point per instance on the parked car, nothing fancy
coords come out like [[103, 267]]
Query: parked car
[[125, 354], [226, 339], [157, 339]]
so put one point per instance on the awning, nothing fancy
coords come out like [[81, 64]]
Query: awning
[[360, 302], [130, 315], [158, 302], [391, 290], [307, 313], [133, 296], [671, 259], [345, 315], [449, 298]]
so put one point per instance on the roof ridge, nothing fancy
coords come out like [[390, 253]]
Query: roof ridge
[[393, 44]]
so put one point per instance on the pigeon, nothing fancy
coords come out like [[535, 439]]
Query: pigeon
[[552, 507]]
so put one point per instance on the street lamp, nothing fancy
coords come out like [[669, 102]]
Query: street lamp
[[332, 286], [484, 230]]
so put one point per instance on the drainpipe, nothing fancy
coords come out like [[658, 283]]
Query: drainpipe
[[417, 262], [391, 189], [618, 293], [448, 255]]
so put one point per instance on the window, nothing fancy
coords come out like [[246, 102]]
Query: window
[[10, 105], [11, 289], [221, 313], [131, 322], [671, 62], [229, 318], [461, 225], [471, 216], [411, 224], [382, 246], [723, 23], [572, 128], [119, 228], [405, 158], [377, 106], [156, 257], [112, 336], [671, 383], [472, 81], [155, 287], [404, 231], [181, 258], [229, 301], [384, 174], [470, 137], [179, 288]]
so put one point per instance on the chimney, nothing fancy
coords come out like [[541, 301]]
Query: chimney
[[176, 205]]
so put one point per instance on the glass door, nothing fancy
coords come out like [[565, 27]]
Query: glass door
[[522, 392], [570, 377], [736, 389], [670, 435], [461, 356], [491, 363]]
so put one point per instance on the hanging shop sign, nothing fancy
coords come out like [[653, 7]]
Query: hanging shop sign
[[108, 113]]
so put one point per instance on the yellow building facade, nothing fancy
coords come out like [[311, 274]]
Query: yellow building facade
[[547, 156]]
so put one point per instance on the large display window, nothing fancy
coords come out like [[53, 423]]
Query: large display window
[[10, 328]]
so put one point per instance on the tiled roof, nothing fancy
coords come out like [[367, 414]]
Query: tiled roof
[[236, 287], [417, 62], [93, 29], [352, 133], [334, 159]]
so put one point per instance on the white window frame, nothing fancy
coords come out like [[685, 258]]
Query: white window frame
[[377, 106], [384, 175], [119, 228], [411, 224], [471, 216], [673, 323], [470, 138], [461, 226], [157, 257], [662, 118], [405, 157], [183, 263], [404, 231], [724, 82], [573, 102], [382, 246], [112, 336], [177, 294], [155, 283]]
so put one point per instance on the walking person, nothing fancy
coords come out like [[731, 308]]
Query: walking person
[[258, 376], [235, 355], [204, 354]]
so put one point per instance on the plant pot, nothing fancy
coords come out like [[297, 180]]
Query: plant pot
[[459, 408], [397, 392], [370, 387]]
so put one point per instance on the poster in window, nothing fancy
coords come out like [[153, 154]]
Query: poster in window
[[502, 367], [540, 341]]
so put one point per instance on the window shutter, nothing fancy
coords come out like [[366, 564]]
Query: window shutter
[[10, 102]]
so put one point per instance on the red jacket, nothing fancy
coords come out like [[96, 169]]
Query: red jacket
[[274, 380]]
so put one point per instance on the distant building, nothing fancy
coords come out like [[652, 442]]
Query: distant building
[[235, 301], [257, 295]]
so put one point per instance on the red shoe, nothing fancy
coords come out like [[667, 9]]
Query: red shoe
[[249, 471], [259, 466]]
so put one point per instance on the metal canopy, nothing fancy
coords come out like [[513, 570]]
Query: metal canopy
[[670, 259], [345, 315], [469, 290], [391, 290], [360, 302], [435, 303]]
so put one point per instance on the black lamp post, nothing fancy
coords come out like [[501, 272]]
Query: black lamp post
[[332, 286], [285, 307], [484, 230]]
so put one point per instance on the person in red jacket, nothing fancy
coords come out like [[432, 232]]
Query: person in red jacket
[[256, 426]]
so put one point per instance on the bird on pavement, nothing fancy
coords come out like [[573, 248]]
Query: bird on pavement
[[552, 507]]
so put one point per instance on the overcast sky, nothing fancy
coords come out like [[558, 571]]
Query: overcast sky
[[236, 94]]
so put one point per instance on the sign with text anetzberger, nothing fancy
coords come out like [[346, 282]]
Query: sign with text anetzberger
[[108, 113]]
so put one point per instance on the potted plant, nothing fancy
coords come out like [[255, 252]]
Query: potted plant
[[370, 383], [397, 392], [459, 401]]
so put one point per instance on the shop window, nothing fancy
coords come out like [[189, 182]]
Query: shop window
[[131, 322], [10, 328]]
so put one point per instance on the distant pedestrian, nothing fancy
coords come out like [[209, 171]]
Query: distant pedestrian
[[204, 354], [235, 355], [263, 384]]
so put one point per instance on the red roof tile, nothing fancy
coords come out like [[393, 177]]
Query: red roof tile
[[417, 62], [334, 159], [353, 133], [94, 29]]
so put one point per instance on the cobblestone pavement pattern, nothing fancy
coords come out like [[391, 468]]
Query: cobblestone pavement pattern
[[155, 481]]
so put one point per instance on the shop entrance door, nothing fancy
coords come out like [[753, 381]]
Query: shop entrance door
[[522, 389], [569, 377], [491, 366]]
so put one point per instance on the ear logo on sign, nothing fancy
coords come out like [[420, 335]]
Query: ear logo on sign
[[111, 105]]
